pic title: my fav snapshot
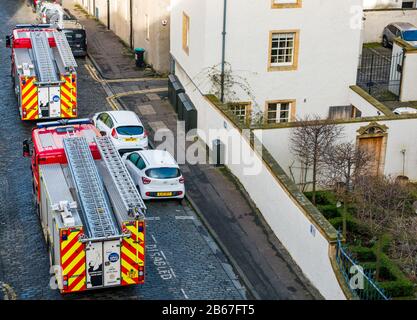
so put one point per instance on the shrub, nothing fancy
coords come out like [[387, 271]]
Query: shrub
[[322, 197], [363, 254], [394, 282], [329, 211], [398, 288], [351, 224]]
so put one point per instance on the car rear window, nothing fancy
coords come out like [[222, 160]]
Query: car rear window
[[74, 34], [163, 173], [130, 130], [410, 35]]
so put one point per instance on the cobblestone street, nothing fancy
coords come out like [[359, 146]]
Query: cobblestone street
[[183, 261]]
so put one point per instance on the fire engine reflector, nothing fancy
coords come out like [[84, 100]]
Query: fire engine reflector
[[112, 263], [94, 259]]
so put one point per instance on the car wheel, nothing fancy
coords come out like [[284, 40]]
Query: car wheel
[[385, 42]]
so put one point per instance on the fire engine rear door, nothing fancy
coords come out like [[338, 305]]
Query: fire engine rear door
[[43, 102], [54, 102], [111, 250], [94, 259]]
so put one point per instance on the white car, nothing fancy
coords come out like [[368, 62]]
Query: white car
[[124, 128], [405, 110], [156, 174]]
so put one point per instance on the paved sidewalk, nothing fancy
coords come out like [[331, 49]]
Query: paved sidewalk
[[266, 267], [113, 57]]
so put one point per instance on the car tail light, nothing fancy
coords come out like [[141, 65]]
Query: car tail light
[[114, 134], [181, 180], [179, 193], [145, 134], [146, 180], [148, 194]]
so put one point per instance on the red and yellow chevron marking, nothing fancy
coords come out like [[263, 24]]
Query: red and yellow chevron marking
[[73, 261], [29, 100], [133, 254], [69, 96]]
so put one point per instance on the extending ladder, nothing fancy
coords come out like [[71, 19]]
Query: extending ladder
[[130, 196], [89, 187], [43, 57], [64, 50]]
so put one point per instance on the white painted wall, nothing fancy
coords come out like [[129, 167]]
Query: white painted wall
[[287, 220], [367, 109], [157, 46], [328, 56], [402, 135], [409, 78], [382, 4], [376, 21]]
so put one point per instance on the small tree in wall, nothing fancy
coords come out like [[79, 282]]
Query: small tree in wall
[[343, 163], [310, 141], [235, 87]]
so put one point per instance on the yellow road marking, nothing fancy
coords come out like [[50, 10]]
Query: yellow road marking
[[93, 73]]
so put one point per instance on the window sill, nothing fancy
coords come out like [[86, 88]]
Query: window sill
[[286, 5], [293, 67]]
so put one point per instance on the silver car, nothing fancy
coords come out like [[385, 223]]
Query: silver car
[[403, 30]]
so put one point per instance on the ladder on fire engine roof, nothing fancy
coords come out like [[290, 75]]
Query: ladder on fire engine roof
[[89, 187], [64, 50], [132, 201], [43, 57]]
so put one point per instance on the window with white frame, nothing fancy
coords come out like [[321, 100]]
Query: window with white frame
[[282, 49], [241, 110], [278, 111]]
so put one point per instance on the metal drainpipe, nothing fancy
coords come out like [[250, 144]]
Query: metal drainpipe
[[223, 51], [108, 14], [131, 24]]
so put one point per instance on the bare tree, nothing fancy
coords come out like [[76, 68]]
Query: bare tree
[[343, 163], [381, 202], [404, 246], [310, 141]]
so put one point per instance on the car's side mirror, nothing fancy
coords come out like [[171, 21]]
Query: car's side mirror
[[8, 41], [26, 149], [103, 133]]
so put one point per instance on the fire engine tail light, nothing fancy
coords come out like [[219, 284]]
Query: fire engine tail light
[[65, 282], [140, 227], [141, 273]]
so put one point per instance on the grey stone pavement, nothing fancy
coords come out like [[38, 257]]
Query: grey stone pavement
[[112, 56], [182, 259], [260, 259]]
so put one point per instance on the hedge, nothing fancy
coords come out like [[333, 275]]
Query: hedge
[[329, 211], [363, 254]]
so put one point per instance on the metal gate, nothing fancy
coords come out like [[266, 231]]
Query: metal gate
[[380, 74]]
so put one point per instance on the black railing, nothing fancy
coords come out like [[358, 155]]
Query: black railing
[[359, 281], [380, 74]]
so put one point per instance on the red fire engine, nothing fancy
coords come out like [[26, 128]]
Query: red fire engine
[[44, 72], [91, 213]]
